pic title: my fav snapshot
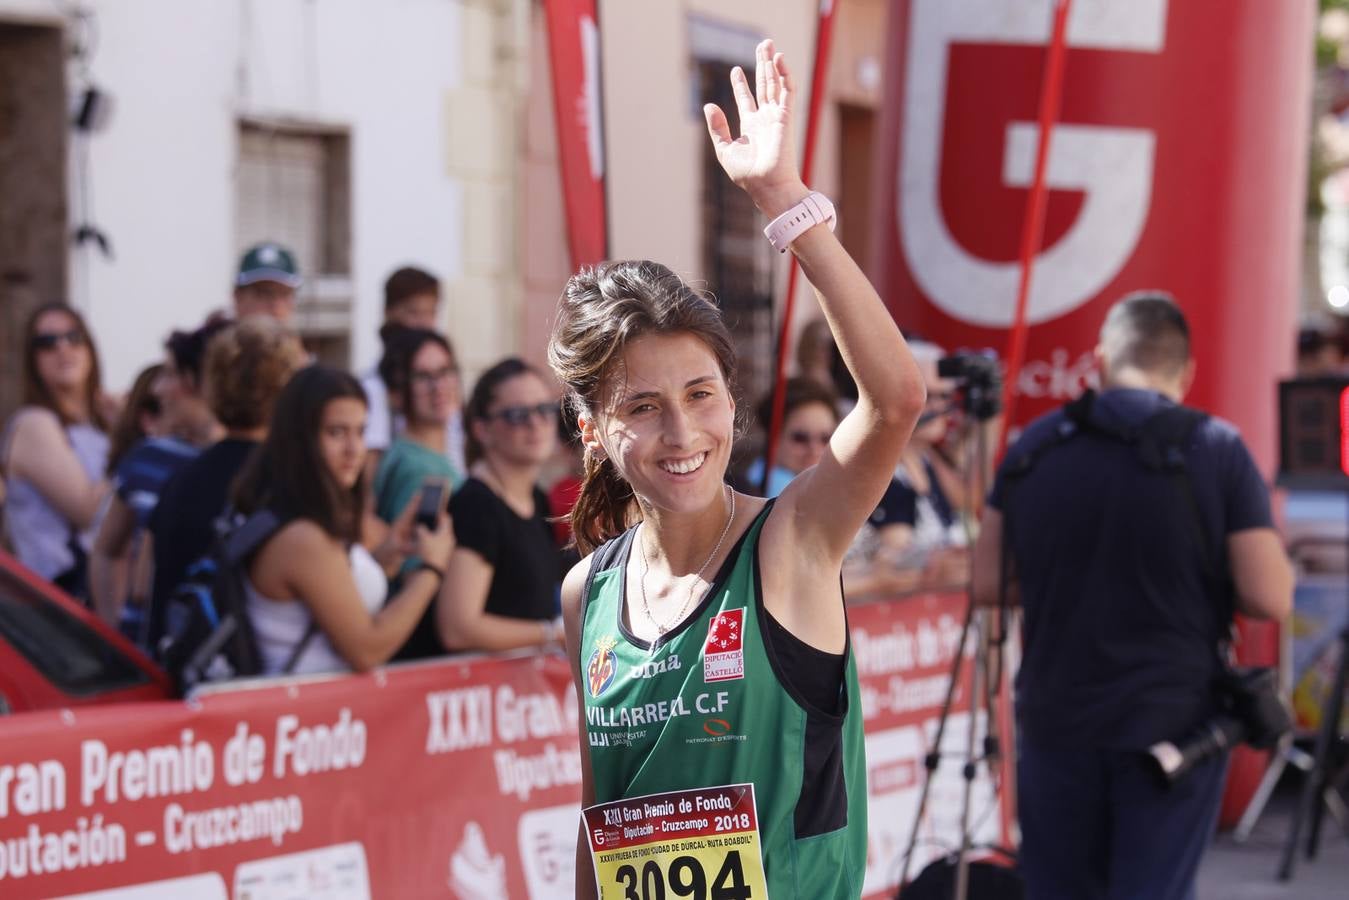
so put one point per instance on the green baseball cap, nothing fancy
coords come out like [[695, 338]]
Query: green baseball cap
[[268, 261]]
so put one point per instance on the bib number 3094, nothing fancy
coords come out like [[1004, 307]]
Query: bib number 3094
[[701, 844], [686, 878]]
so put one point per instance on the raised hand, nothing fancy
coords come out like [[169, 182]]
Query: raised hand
[[761, 160]]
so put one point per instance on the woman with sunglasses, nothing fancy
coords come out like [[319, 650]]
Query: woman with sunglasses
[[916, 536], [54, 451], [707, 631], [501, 585], [809, 417]]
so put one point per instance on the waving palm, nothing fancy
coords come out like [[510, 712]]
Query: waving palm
[[762, 157]]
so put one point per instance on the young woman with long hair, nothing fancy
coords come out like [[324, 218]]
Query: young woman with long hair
[[142, 417], [312, 587], [55, 450], [707, 633], [501, 587], [420, 367], [120, 566]]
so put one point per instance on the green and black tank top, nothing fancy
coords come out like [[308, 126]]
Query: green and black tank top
[[709, 705]]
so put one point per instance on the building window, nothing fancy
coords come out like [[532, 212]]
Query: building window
[[293, 186], [738, 262]]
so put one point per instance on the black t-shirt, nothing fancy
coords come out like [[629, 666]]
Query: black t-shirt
[[1123, 614], [183, 522], [526, 564]]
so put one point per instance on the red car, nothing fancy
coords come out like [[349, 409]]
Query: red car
[[54, 653]]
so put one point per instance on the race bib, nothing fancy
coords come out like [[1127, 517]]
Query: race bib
[[701, 843]]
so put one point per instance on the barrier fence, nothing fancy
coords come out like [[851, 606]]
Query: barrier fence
[[454, 778]]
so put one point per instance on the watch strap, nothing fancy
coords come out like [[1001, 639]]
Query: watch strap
[[813, 209]]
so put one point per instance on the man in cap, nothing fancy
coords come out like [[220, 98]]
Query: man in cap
[[268, 277]]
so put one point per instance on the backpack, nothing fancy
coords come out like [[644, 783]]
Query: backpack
[[1160, 442], [208, 636]]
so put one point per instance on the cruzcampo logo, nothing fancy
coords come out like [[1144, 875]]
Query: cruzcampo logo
[[603, 666]]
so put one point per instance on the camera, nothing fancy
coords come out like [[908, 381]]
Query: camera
[[1250, 711], [980, 377]]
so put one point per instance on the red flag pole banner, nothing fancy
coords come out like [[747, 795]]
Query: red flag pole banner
[[458, 777], [1033, 231], [824, 34], [1178, 163], [574, 49]]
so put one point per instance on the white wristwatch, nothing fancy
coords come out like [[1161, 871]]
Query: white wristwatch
[[802, 217]]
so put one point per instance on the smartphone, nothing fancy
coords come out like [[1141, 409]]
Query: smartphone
[[429, 506]]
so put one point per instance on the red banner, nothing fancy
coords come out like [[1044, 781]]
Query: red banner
[[457, 778], [1177, 163], [574, 48]]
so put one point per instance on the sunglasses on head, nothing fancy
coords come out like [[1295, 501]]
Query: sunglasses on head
[[49, 340], [808, 437], [521, 415]]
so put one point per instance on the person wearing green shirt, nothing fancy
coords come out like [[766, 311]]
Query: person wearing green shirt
[[720, 719], [424, 373]]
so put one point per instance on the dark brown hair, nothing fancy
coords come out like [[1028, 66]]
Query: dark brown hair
[[246, 366], [602, 310], [35, 391], [188, 348], [406, 283], [401, 346], [798, 392], [287, 475], [1147, 331], [140, 401]]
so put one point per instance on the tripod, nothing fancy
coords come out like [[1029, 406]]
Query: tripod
[[985, 688], [1312, 805]]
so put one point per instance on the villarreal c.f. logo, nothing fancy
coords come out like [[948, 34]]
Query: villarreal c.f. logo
[[601, 669]]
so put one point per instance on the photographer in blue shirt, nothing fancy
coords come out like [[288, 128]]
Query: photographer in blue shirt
[[1128, 568]]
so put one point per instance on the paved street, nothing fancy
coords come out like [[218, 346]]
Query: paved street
[[1234, 871]]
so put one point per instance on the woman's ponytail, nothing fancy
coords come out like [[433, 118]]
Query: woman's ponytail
[[604, 506]]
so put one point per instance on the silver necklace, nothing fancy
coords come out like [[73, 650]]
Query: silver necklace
[[646, 567]]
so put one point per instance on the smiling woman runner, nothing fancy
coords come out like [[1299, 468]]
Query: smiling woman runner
[[721, 727]]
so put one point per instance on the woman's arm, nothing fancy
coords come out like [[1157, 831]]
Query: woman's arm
[[462, 620], [314, 567], [827, 504], [40, 453], [572, 586], [109, 564]]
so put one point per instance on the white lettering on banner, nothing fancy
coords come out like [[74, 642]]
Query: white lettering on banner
[[522, 717], [35, 788], [901, 649], [522, 775], [1112, 166], [244, 757], [906, 695], [89, 843], [157, 772], [224, 826], [1056, 378], [460, 719], [319, 748]]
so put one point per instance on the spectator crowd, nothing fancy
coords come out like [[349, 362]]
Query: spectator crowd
[[116, 501]]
